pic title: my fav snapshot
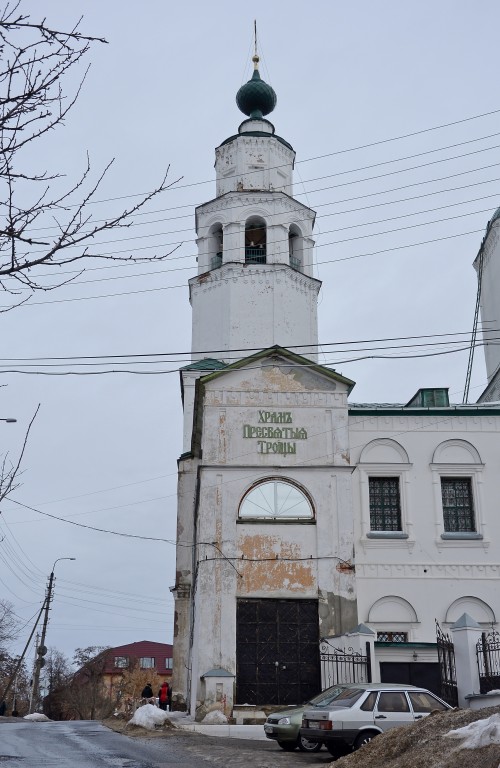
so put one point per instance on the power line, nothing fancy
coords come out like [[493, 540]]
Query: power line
[[336, 173], [325, 155], [182, 285], [300, 194], [245, 350]]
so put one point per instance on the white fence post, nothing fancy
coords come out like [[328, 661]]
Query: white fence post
[[466, 632]]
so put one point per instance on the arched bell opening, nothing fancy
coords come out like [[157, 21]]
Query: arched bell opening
[[296, 247], [255, 241], [215, 246]]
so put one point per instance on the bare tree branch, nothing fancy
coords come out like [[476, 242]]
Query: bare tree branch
[[35, 59], [9, 473]]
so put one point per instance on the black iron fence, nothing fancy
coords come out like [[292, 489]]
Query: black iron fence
[[488, 661], [341, 665], [446, 656]]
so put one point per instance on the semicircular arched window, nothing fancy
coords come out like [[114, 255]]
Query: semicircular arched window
[[276, 500]]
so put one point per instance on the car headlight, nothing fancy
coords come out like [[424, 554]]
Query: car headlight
[[284, 721]]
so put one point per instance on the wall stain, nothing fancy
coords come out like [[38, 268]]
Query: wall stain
[[275, 571]]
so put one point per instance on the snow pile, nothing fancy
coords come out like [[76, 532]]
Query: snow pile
[[216, 717], [482, 733], [148, 716], [37, 717]]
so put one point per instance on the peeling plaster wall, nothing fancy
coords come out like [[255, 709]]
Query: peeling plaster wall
[[294, 559], [186, 497]]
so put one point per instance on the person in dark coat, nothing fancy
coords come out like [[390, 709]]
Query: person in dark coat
[[147, 693], [3, 707], [163, 696]]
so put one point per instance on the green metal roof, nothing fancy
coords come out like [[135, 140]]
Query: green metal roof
[[207, 364]]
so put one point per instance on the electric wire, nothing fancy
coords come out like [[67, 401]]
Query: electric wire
[[328, 154], [317, 178]]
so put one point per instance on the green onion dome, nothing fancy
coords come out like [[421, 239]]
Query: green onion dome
[[256, 98]]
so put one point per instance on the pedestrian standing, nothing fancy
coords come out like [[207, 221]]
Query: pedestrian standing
[[163, 696], [147, 694]]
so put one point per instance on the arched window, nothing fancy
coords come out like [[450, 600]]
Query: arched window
[[295, 247], [215, 246], [255, 241], [276, 499]]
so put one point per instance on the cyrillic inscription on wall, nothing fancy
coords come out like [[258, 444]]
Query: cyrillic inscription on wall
[[275, 435]]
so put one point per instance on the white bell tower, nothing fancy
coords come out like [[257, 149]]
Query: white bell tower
[[255, 286]]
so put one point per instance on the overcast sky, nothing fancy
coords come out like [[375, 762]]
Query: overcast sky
[[103, 448]]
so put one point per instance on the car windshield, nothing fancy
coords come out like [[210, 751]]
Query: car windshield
[[338, 694]]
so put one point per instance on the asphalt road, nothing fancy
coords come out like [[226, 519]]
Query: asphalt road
[[87, 744]]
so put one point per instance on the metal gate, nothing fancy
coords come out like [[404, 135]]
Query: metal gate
[[340, 665], [446, 656], [277, 651], [488, 661]]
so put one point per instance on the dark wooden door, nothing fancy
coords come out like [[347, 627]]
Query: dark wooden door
[[277, 651], [422, 674]]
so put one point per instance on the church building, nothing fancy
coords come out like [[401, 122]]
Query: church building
[[302, 515]]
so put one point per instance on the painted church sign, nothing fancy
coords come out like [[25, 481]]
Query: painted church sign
[[274, 433]]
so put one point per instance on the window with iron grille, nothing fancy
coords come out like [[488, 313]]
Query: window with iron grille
[[385, 504], [458, 506], [392, 637]]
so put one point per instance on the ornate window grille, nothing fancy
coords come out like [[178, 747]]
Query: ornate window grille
[[385, 504], [392, 637], [458, 506]]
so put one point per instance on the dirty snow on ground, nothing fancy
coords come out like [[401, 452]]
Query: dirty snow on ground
[[37, 717], [216, 717], [478, 734], [148, 716]]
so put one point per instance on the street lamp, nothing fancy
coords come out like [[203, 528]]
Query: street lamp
[[42, 650], [9, 421]]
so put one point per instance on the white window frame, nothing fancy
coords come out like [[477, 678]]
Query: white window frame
[[144, 662], [445, 539], [393, 539], [311, 518]]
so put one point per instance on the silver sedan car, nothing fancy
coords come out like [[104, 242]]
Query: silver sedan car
[[356, 713]]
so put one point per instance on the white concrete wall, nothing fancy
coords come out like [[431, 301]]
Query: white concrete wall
[[403, 584], [490, 291], [254, 162], [252, 307]]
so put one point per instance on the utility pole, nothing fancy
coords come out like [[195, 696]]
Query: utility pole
[[37, 643], [42, 648]]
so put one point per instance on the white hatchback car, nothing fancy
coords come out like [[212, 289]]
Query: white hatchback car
[[357, 713]]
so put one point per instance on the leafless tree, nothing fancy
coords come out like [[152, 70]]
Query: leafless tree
[[8, 623], [85, 697], [35, 59]]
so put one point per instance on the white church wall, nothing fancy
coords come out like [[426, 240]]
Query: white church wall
[[490, 290], [252, 307], [425, 566], [245, 413]]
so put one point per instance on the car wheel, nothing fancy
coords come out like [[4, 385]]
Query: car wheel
[[305, 745], [364, 738], [288, 746]]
